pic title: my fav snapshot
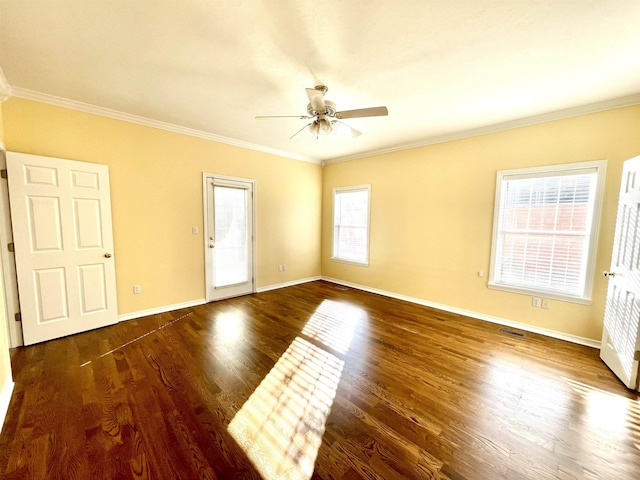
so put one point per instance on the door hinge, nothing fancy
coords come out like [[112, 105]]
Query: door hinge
[[18, 317], [636, 356], [11, 247], [3, 173]]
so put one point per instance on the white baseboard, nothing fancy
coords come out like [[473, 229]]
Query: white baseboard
[[202, 301], [5, 399], [287, 284], [447, 308], [163, 309], [479, 316]]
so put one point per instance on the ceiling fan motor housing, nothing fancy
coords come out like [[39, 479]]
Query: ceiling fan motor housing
[[329, 109]]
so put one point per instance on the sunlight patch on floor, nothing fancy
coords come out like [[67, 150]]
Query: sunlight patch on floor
[[333, 324], [280, 426]]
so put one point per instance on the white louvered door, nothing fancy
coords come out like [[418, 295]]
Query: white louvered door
[[61, 219], [621, 333]]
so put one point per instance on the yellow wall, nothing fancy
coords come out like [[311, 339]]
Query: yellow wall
[[5, 363], [432, 215], [431, 220], [156, 197]]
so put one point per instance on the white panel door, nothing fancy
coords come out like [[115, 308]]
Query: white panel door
[[61, 219], [621, 333], [229, 237]]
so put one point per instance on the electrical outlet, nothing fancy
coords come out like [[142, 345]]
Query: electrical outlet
[[545, 303], [282, 268], [137, 289], [536, 301]]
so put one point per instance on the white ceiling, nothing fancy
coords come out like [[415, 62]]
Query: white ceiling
[[442, 67]]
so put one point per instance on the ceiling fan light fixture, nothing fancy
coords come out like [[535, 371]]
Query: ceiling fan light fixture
[[320, 128]]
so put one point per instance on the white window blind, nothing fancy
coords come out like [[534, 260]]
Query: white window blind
[[351, 224], [544, 235]]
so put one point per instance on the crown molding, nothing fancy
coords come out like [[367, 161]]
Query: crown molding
[[5, 88], [612, 104], [148, 122]]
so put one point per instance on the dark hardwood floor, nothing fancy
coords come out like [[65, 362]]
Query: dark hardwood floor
[[316, 381]]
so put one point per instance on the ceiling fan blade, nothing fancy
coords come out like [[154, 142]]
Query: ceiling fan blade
[[299, 130], [316, 98], [347, 130], [363, 112], [300, 117]]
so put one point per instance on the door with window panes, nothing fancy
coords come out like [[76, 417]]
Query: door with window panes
[[229, 245]]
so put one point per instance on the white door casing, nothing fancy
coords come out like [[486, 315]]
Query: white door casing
[[229, 236], [61, 218], [621, 332], [12, 304]]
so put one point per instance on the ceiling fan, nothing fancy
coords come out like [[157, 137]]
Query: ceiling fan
[[326, 120]]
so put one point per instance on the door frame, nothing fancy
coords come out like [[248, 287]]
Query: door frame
[[208, 270], [10, 280]]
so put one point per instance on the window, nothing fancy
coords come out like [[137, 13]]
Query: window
[[351, 224], [545, 230]]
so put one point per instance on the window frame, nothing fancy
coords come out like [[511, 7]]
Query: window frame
[[551, 171], [353, 188]]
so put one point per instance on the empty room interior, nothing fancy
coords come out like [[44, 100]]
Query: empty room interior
[[320, 240]]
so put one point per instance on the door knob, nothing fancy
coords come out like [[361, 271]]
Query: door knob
[[211, 245], [107, 255]]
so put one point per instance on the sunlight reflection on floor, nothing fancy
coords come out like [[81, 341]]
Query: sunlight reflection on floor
[[280, 427], [527, 389], [609, 413], [230, 326]]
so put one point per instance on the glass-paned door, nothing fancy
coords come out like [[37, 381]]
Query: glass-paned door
[[229, 245]]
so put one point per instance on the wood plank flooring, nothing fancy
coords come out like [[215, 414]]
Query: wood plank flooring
[[316, 381]]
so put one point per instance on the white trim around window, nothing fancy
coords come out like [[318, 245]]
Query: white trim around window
[[351, 220], [545, 230]]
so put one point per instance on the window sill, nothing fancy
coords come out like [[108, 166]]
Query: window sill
[[540, 293], [350, 262]]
